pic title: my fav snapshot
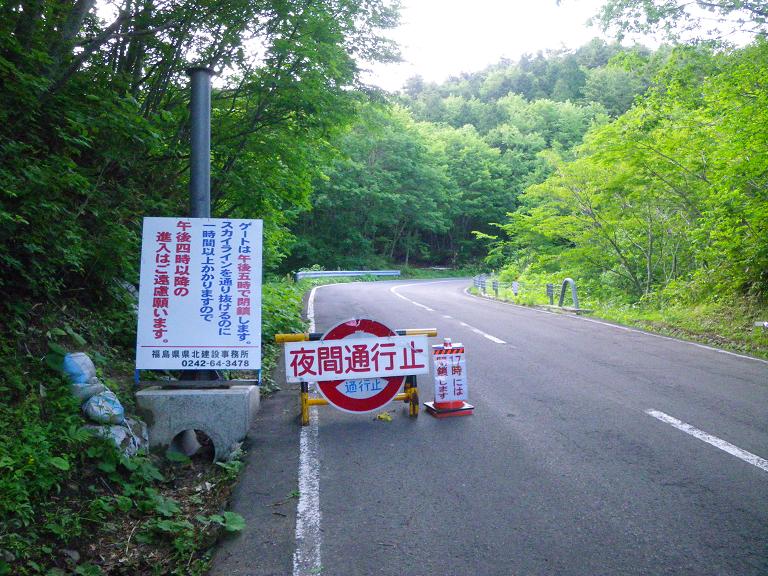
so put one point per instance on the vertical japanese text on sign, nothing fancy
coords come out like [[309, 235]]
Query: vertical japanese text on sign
[[450, 373], [200, 294]]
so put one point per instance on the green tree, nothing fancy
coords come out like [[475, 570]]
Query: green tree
[[380, 202], [670, 197], [613, 87], [681, 18], [94, 131], [479, 191]]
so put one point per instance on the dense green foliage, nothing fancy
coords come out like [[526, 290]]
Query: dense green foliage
[[711, 19], [581, 76], [671, 198], [417, 179], [93, 124]]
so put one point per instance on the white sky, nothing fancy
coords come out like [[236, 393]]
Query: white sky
[[442, 38]]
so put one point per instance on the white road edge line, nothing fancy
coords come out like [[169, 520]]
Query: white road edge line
[[475, 330], [624, 328], [709, 439], [306, 557]]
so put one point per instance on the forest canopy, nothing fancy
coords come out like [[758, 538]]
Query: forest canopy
[[94, 122]]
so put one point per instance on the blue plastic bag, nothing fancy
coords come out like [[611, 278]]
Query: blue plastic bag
[[104, 408], [79, 367]]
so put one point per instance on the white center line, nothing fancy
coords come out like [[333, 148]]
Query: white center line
[[472, 328], [488, 336], [306, 558], [709, 439]]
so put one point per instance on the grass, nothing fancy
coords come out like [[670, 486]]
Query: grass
[[729, 326], [71, 504]]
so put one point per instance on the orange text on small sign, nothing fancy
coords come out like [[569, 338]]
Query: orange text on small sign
[[356, 358]]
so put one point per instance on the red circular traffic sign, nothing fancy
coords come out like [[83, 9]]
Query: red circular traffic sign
[[330, 389]]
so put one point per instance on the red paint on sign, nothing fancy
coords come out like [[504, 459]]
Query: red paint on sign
[[329, 388]]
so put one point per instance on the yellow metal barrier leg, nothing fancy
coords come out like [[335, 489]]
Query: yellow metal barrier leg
[[304, 404], [413, 396]]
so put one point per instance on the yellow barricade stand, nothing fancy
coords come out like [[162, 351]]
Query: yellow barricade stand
[[409, 395]]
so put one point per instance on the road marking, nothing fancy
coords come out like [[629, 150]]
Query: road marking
[[624, 328], [709, 439], [306, 557], [472, 328], [311, 309], [483, 334], [491, 338]]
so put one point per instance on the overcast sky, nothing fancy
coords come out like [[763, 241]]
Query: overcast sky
[[442, 38]]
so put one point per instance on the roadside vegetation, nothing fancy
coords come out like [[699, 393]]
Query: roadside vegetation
[[729, 324]]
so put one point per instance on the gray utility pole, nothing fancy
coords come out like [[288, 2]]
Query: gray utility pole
[[200, 160], [200, 163]]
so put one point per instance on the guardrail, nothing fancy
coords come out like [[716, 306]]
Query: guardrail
[[484, 281], [343, 273]]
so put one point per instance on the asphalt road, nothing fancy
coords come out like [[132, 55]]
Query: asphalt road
[[569, 465]]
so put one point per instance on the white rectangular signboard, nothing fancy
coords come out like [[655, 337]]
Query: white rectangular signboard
[[200, 294], [450, 373], [356, 358]]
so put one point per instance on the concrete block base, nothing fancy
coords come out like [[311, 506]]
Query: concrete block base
[[224, 415]]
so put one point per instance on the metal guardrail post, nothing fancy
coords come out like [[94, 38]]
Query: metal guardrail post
[[496, 288], [573, 293], [551, 294]]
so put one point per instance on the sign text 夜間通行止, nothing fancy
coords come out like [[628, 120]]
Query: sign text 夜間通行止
[[200, 294], [356, 358]]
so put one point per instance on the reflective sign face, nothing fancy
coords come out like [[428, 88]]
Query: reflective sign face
[[200, 294], [450, 374], [357, 356], [365, 359]]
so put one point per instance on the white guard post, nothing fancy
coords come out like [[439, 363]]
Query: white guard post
[[451, 386]]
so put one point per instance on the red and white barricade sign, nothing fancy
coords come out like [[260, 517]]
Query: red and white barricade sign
[[359, 365]]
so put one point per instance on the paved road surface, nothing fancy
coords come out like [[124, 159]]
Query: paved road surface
[[593, 449]]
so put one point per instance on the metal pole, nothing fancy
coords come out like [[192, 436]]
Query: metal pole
[[200, 164], [200, 159]]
